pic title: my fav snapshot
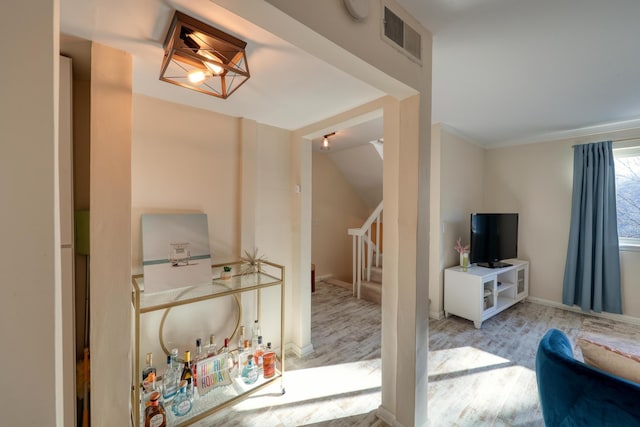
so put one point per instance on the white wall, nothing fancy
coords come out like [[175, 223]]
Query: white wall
[[336, 208]]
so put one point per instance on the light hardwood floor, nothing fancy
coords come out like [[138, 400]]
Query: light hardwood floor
[[477, 377]]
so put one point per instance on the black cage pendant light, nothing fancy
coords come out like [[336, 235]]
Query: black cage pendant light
[[200, 57]]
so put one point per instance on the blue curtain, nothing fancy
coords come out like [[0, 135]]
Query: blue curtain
[[592, 271]]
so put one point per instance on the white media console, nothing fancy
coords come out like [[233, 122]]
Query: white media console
[[480, 293]]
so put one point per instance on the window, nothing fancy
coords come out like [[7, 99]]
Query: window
[[627, 163]]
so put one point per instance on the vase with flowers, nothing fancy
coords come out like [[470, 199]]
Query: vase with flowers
[[463, 250]]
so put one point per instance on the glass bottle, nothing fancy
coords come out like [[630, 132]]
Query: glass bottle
[[194, 366], [148, 369], [187, 373], [238, 353], [174, 359], [228, 360], [169, 381], [258, 352], [154, 415], [183, 402], [148, 387], [241, 339], [210, 349], [250, 371], [245, 353], [268, 362], [255, 333]]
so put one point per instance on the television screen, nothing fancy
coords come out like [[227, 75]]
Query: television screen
[[494, 237]]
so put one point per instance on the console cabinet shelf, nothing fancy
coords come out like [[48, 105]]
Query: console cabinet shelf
[[480, 293], [268, 277]]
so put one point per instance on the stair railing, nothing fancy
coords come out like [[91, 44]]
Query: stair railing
[[362, 241]]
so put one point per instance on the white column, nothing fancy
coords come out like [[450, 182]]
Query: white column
[[110, 231], [30, 307]]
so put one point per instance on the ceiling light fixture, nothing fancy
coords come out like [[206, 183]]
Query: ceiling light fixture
[[325, 142], [200, 57]]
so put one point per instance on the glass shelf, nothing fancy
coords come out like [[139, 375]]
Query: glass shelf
[[190, 294]]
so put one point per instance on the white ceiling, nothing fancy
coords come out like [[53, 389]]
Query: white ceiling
[[504, 71], [511, 71]]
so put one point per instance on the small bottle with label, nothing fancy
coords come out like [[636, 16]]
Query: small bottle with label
[[194, 366], [154, 415], [187, 373], [255, 333], [149, 369], [210, 349], [183, 402], [169, 381], [174, 359], [268, 362], [258, 352], [250, 372]]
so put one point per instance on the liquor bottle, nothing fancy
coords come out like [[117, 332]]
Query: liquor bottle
[[148, 387], [255, 333], [149, 368], [245, 353], [154, 415], [194, 366], [250, 372], [239, 349], [174, 359], [258, 352], [268, 362], [183, 402], [210, 349], [187, 373], [228, 358], [169, 381], [241, 339]]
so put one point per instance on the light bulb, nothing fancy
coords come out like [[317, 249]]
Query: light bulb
[[325, 144], [197, 76], [215, 69]]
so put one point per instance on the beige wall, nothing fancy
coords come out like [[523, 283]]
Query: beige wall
[[535, 180], [30, 250], [336, 207], [240, 176], [110, 230], [185, 159], [460, 181]]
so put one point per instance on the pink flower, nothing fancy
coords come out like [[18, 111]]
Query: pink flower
[[459, 248]]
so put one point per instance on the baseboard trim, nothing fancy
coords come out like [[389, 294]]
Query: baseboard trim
[[299, 351], [324, 277], [618, 317], [436, 315], [386, 416]]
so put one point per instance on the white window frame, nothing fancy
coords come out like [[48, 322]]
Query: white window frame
[[628, 149]]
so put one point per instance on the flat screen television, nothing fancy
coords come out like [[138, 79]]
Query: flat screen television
[[494, 237]]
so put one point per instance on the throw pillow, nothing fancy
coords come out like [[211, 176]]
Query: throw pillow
[[610, 360]]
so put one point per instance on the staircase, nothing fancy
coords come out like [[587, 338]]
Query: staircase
[[367, 258]]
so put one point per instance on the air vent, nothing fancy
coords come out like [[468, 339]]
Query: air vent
[[401, 34]]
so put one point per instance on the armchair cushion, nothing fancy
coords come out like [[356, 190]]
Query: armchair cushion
[[609, 359]]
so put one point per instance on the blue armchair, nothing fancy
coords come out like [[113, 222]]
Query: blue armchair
[[575, 394]]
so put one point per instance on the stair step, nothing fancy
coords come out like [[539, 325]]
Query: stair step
[[371, 291], [376, 274]]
